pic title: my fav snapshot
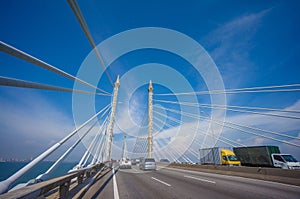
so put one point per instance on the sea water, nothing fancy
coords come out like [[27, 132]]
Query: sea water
[[9, 168]]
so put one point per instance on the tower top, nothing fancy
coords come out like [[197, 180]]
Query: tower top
[[150, 89], [117, 83]]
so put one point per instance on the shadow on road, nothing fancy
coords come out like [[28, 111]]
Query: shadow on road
[[104, 185]]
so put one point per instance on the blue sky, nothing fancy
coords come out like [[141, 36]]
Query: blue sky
[[253, 43]]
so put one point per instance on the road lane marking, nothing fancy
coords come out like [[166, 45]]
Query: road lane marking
[[230, 177], [135, 169], [116, 192], [161, 181], [200, 179]]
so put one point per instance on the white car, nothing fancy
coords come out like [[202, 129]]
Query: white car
[[285, 161], [125, 164]]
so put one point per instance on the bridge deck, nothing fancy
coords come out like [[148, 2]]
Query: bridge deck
[[166, 182], [174, 183]]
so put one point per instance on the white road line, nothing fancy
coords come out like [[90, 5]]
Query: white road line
[[135, 169], [200, 179], [116, 192], [161, 181], [232, 177]]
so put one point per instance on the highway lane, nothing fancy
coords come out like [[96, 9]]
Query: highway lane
[[176, 183], [221, 186]]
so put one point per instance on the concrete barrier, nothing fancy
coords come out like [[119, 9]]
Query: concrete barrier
[[263, 173]]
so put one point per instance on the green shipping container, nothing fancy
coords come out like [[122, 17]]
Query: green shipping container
[[256, 155]]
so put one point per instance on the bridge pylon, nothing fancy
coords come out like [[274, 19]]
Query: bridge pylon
[[112, 120], [150, 119], [124, 148]]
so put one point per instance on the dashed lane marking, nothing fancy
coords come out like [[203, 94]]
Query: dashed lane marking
[[200, 179], [161, 181]]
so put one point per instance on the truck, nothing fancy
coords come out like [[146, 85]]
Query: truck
[[265, 156], [218, 155]]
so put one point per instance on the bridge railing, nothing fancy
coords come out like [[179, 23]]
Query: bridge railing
[[62, 183]]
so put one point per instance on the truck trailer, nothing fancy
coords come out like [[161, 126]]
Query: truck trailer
[[256, 155], [218, 155], [265, 156]]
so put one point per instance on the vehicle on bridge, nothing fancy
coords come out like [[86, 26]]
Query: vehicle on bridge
[[148, 164], [125, 163], [266, 156], [256, 155], [135, 161], [285, 161], [218, 155]]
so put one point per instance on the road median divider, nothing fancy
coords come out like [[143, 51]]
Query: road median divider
[[262, 173]]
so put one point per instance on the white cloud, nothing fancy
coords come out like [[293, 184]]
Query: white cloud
[[129, 115], [277, 124], [230, 46], [173, 142], [30, 124], [245, 26], [274, 124], [258, 142], [290, 149], [180, 141]]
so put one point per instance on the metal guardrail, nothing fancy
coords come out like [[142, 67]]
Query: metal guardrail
[[62, 183]]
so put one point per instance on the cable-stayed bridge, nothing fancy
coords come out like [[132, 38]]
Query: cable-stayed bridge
[[171, 129]]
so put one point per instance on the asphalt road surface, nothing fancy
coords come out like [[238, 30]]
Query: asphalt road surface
[[176, 183]]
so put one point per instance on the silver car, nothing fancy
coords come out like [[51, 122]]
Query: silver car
[[148, 164]]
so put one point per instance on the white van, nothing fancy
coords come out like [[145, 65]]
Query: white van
[[285, 161]]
